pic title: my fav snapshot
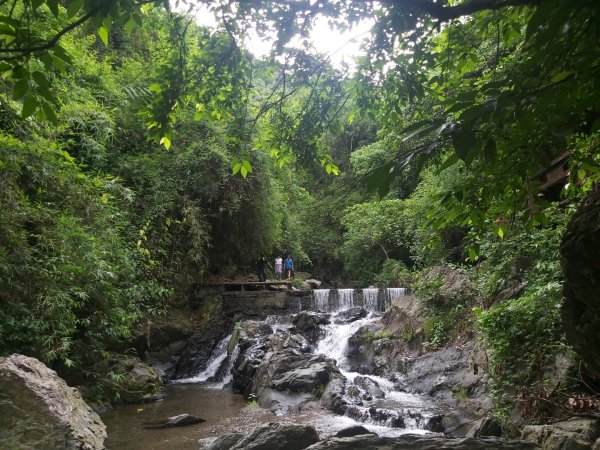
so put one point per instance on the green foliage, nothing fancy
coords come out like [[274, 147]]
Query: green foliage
[[70, 278], [375, 232], [522, 335]]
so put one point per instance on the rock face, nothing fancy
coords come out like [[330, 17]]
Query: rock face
[[411, 442], [576, 433], [39, 411], [309, 325], [278, 368], [581, 266], [270, 437]]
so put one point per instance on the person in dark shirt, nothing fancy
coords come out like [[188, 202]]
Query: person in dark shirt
[[262, 265]]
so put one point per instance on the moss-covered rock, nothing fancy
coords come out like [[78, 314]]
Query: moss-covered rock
[[127, 379]]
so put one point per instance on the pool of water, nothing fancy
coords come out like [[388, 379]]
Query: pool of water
[[224, 412]]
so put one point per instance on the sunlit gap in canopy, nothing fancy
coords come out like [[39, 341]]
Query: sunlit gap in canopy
[[340, 47]]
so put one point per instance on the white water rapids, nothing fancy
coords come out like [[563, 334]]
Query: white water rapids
[[413, 410]]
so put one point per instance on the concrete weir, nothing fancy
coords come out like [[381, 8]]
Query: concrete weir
[[256, 302]]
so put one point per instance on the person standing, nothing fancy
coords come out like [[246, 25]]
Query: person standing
[[262, 265], [289, 266], [278, 267]]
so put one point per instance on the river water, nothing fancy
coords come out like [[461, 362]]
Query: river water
[[226, 412]]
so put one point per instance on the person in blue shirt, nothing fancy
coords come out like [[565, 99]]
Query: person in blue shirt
[[289, 266]]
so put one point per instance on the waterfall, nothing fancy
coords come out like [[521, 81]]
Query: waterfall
[[370, 299], [228, 377], [335, 342], [321, 299], [393, 294], [346, 297], [216, 359]]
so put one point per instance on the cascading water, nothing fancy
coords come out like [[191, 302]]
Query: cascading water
[[216, 359], [380, 405], [394, 294], [321, 297], [395, 407], [346, 299], [371, 299]]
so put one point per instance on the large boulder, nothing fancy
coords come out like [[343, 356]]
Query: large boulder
[[309, 325], [39, 411], [412, 442], [581, 266], [572, 434], [273, 436]]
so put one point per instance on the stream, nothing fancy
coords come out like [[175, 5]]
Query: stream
[[209, 395]]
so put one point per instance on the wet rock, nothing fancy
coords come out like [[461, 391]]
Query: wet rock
[[350, 315], [448, 376], [273, 436], [355, 430], [581, 267], [282, 403], [180, 420], [360, 353], [225, 442], [369, 386], [309, 325], [412, 442], [485, 427], [333, 397], [39, 411], [295, 372], [573, 434], [387, 417]]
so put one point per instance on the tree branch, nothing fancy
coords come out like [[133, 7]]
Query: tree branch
[[445, 13], [51, 42]]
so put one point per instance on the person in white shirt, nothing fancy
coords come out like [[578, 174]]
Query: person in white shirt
[[278, 267]]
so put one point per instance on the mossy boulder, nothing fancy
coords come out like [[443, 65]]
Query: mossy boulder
[[127, 379]]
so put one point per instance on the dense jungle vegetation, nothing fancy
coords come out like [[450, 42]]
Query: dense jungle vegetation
[[141, 153]]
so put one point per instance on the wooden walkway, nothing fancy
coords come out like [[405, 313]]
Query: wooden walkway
[[255, 285]]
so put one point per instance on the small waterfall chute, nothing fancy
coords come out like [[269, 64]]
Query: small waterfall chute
[[321, 297], [394, 294], [346, 299], [214, 363], [371, 299]]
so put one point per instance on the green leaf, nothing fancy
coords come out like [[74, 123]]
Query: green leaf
[[244, 172], [21, 88], [103, 33], [166, 142], [419, 128], [40, 79], [380, 178], [464, 141], [450, 161], [560, 76], [49, 112], [490, 151], [236, 166], [501, 232], [46, 58], [53, 6], [29, 106], [246, 165], [73, 7]]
